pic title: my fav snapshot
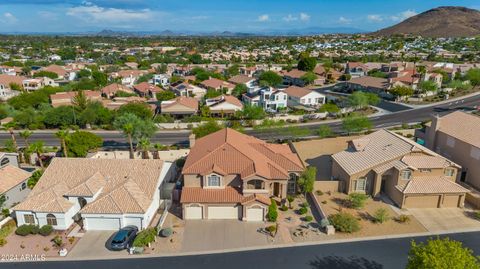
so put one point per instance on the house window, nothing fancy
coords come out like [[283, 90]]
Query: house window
[[214, 181], [450, 141], [51, 220], [406, 174], [449, 172], [361, 184], [28, 219], [292, 184], [255, 184], [425, 170], [24, 186], [4, 161]]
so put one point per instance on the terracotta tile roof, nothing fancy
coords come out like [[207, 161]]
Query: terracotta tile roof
[[240, 79], [59, 70], [114, 88], [201, 195], [226, 99], [182, 100], [367, 81], [126, 186], [257, 197], [146, 87], [387, 166], [431, 185], [133, 73], [216, 83], [462, 126], [11, 176], [383, 147], [297, 91], [294, 73], [240, 154], [8, 79], [422, 161]]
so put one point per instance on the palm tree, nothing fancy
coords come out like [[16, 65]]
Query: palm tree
[[25, 135], [128, 124], [63, 135], [157, 147], [14, 141], [37, 147], [144, 145]]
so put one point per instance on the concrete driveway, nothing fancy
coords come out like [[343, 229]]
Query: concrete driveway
[[445, 219], [92, 245], [206, 235]]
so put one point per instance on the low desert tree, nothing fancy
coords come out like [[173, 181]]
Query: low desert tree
[[272, 214], [32, 181], [206, 128], [324, 131], [356, 123], [442, 254], [270, 78], [307, 179], [80, 143], [165, 96], [306, 63], [309, 78], [473, 75], [401, 91]]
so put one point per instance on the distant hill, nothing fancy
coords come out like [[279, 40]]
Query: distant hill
[[439, 22]]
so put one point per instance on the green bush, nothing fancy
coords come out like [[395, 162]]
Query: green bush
[[3, 242], [272, 214], [167, 232], [308, 218], [304, 204], [284, 208], [302, 211], [403, 219], [381, 215], [344, 222], [271, 229], [145, 237], [319, 192], [357, 200], [26, 229], [46, 230]]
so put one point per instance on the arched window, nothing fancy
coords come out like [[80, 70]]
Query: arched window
[[82, 202], [255, 184], [292, 184], [51, 220]]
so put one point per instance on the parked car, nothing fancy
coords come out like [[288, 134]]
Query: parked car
[[123, 239]]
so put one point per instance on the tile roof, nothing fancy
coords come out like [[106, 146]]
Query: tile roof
[[8, 79], [236, 153], [11, 176], [126, 186], [146, 87], [383, 147], [216, 83], [431, 185], [240, 79], [367, 81], [297, 91], [225, 99], [201, 195], [427, 162], [114, 88], [182, 100], [295, 73], [462, 126]]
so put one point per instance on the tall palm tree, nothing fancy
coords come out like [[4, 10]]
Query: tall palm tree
[[63, 135], [25, 135], [14, 141], [38, 148], [144, 145], [157, 147], [128, 124]]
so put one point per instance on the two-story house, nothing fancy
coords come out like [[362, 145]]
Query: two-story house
[[356, 69], [303, 97], [13, 180], [457, 136], [229, 175], [409, 174], [270, 99]]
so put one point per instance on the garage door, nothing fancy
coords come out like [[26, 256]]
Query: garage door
[[255, 214], [193, 212], [102, 223], [427, 201], [451, 200], [223, 212], [137, 222]]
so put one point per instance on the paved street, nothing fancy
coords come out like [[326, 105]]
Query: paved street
[[379, 254], [113, 139]]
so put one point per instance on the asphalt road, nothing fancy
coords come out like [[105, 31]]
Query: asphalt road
[[379, 254], [113, 139]]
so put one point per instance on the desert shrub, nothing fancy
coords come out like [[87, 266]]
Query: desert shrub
[[302, 211], [477, 215], [344, 222], [272, 214], [284, 208], [271, 229], [381, 215], [26, 229], [58, 241], [71, 240], [6, 212], [319, 192], [167, 232], [356, 200], [304, 204], [46, 230], [403, 219], [324, 202], [324, 223], [145, 237], [308, 218], [3, 242], [290, 199]]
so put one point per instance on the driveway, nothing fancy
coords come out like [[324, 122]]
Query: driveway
[[445, 219], [92, 245], [207, 235]]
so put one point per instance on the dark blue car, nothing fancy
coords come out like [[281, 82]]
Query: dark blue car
[[123, 239]]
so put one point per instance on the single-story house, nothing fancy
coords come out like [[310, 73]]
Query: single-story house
[[224, 105], [180, 106], [299, 97]]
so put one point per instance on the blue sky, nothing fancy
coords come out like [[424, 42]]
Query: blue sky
[[208, 15]]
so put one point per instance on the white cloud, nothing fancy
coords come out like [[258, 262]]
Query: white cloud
[[290, 18], [93, 14], [264, 17], [304, 17], [403, 15], [375, 18], [344, 20], [8, 17]]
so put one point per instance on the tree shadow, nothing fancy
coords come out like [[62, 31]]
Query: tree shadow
[[337, 262]]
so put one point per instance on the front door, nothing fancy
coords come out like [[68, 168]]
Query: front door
[[383, 183], [276, 189], [463, 176]]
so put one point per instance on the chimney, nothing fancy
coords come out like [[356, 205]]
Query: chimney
[[191, 139], [431, 132]]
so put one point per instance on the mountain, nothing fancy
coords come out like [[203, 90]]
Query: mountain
[[439, 22]]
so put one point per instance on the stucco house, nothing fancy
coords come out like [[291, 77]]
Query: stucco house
[[299, 97], [457, 136], [408, 173], [270, 99], [98, 194], [229, 175], [224, 105], [180, 106], [13, 180]]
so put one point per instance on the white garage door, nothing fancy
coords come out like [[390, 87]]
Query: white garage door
[[223, 212], [255, 214], [193, 212], [137, 222], [102, 223]]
